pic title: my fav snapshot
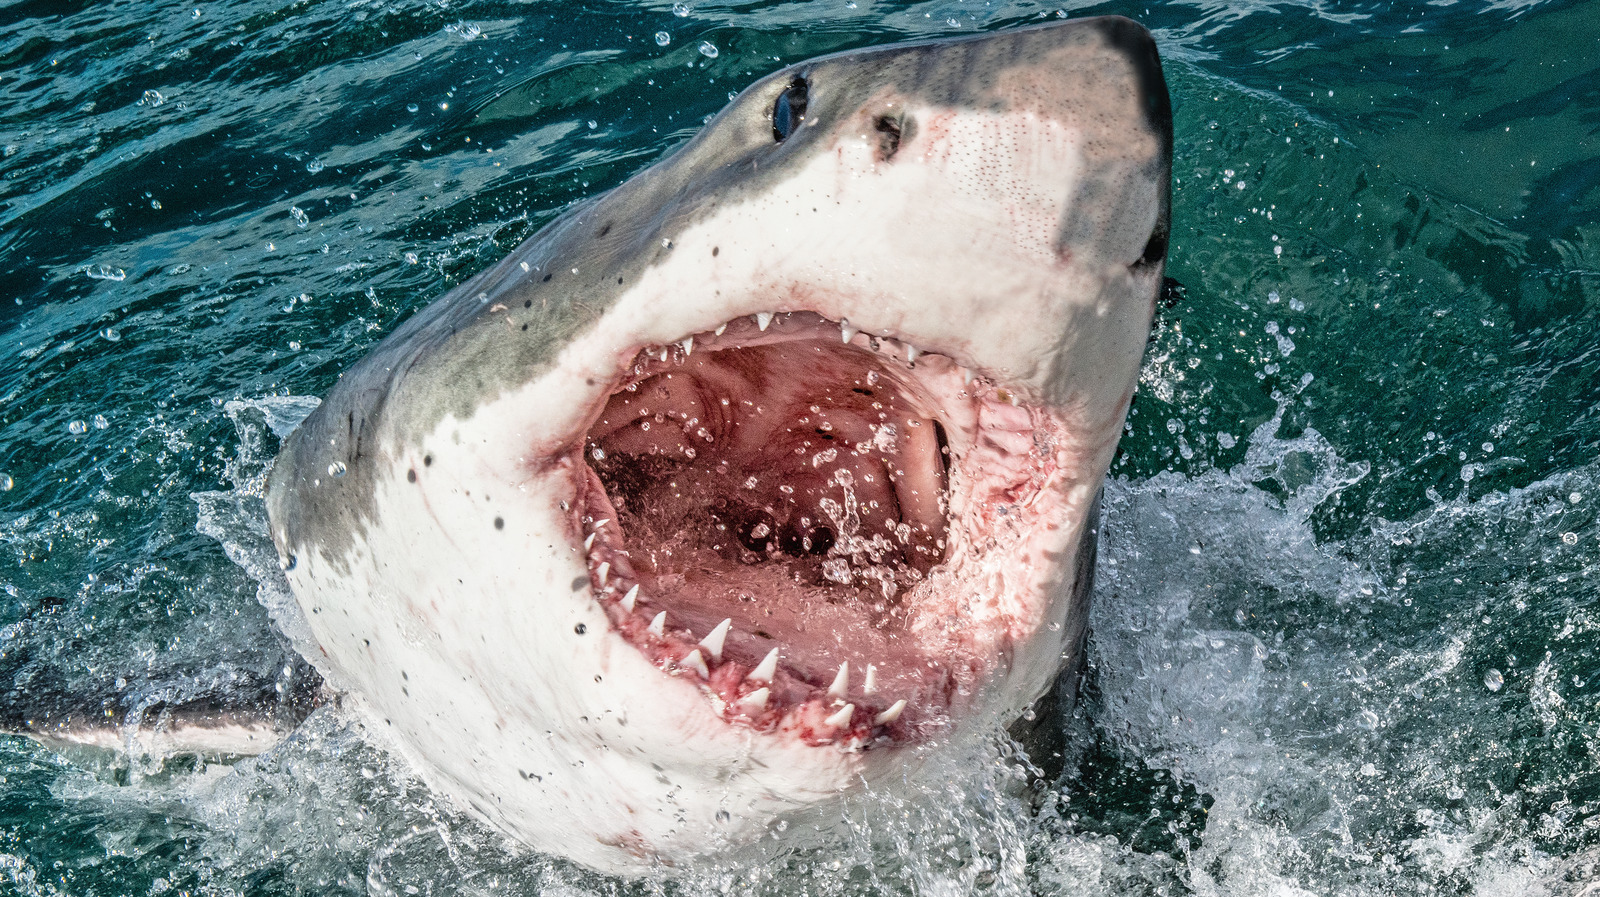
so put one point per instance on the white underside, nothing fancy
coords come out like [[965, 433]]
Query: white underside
[[459, 637]]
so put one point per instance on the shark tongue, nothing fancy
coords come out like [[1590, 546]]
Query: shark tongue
[[784, 486]]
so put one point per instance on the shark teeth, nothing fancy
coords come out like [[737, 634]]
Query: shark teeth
[[713, 642], [766, 669], [890, 715], [841, 682], [693, 661], [763, 320], [870, 683], [631, 600], [658, 626], [755, 702], [842, 718]]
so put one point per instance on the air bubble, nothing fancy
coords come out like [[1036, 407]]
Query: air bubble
[[6, 482], [110, 335], [663, 38], [314, 166], [680, 10], [708, 49], [336, 469], [77, 428], [299, 216], [1493, 680]]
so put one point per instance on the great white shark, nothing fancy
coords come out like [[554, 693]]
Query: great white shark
[[765, 477]]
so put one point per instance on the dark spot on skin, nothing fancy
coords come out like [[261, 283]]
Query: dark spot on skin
[[619, 280], [605, 230], [861, 391], [580, 629], [580, 583], [427, 460], [405, 676], [367, 642], [715, 250], [547, 278], [597, 678], [891, 131], [499, 523], [411, 475], [524, 326], [291, 563], [528, 304]]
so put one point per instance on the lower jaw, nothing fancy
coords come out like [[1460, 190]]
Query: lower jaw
[[845, 628]]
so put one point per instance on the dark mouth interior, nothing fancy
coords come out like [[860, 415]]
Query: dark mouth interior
[[781, 486]]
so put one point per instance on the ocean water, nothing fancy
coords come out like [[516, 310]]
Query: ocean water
[[1347, 634]]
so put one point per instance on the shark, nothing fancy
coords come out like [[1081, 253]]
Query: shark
[[768, 476]]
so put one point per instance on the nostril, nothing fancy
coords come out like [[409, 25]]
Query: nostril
[[893, 132]]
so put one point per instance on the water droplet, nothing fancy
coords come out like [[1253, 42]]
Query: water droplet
[[1569, 538], [1366, 719], [336, 469], [1493, 680], [152, 98], [314, 166], [77, 428], [99, 421], [411, 107], [105, 272], [593, 124], [411, 258], [663, 38], [110, 334], [6, 482], [680, 9], [299, 216], [708, 49]]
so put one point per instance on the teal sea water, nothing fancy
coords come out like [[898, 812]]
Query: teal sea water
[[1347, 632]]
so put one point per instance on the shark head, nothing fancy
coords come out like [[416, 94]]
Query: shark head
[[767, 474]]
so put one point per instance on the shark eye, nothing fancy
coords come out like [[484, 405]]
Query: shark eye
[[789, 110]]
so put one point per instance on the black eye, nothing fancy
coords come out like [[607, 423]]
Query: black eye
[[789, 110]]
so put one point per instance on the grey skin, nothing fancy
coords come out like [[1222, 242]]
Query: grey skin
[[455, 354], [505, 329]]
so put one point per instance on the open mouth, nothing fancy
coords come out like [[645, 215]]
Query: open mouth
[[829, 531]]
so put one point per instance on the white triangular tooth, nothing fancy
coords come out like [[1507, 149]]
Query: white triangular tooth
[[842, 718], [664, 351], [766, 669], [693, 661], [713, 642], [890, 715], [911, 353], [658, 626], [721, 329], [603, 572], [846, 331], [755, 702], [966, 376], [870, 683], [589, 542], [601, 522], [841, 682], [688, 345], [631, 599], [763, 319]]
